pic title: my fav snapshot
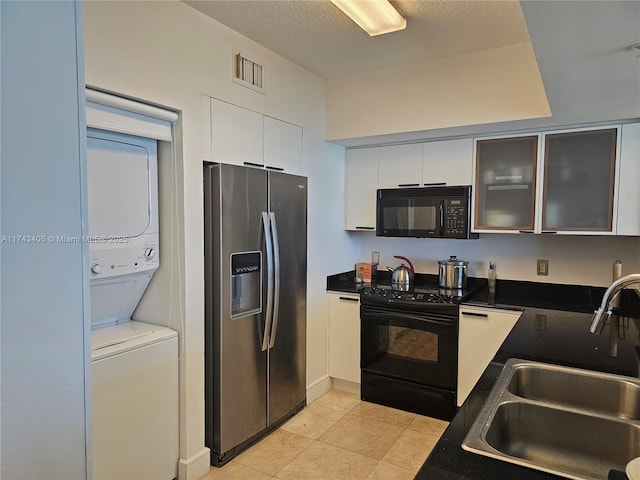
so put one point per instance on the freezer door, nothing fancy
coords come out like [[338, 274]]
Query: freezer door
[[287, 355], [235, 363]]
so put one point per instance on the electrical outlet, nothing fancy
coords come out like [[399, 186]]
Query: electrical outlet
[[543, 267]]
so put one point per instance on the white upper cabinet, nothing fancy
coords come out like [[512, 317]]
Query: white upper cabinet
[[282, 145], [629, 176], [448, 162], [400, 166], [361, 183], [573, 181], [551, 182], [236, 134], [243, 137]]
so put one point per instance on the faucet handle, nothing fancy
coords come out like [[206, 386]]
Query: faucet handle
[[600, 317], [609, 294]]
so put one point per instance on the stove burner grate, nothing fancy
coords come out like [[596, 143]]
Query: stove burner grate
[[415, 296]]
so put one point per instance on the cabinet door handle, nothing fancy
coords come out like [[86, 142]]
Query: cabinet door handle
[[350, 299], [526, 231], [507, 187], [434, 184], [408, 184], [277, 169], [474, 314], [548, 231], [251, 164], [365, 228], [508, 177]]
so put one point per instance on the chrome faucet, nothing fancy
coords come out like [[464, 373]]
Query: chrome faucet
[[604, 312]]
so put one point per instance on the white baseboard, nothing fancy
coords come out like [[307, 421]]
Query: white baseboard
[[318, 388], [196, 466], [346, 386]]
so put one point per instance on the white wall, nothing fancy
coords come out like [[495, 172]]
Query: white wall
[[43, 284], [171, 54], [578, 260], [496, 85]]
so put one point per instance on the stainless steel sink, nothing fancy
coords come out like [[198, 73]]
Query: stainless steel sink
[[583, 389], [570, 422]]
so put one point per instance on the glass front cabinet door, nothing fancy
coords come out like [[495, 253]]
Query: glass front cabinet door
[[554, 182], [579, 180], [505, 189]]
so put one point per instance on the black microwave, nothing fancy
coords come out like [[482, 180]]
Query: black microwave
[[427, 212]]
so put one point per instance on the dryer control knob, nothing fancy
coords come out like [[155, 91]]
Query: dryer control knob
[[96, 268], [149, 253]]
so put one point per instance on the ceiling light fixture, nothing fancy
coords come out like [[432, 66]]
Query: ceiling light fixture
[[374, 16]]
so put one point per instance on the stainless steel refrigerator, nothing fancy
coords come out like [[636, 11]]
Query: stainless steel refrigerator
[[255, 303]]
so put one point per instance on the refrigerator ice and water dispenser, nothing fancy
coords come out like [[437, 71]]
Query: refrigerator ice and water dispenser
[[246, 284]]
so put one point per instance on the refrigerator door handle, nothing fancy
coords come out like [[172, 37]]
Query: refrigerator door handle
[[276, 275], [268, 316]]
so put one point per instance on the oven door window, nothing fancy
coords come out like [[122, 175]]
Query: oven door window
[[409, 347], [409, 343]]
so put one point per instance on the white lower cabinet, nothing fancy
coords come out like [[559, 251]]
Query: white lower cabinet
[[344, 336], [481, 332]]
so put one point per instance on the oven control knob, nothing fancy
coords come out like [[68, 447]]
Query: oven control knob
[[96, 269], [149, 253]]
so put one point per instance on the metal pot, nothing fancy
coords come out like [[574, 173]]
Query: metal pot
[[402, 276], [452, 273]]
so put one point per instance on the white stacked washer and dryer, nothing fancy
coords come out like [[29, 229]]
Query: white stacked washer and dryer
[[134, 364]]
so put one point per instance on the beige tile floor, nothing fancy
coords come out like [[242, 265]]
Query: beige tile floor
[[339, 437]]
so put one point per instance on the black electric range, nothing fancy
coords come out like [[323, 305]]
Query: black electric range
[[409, 347]]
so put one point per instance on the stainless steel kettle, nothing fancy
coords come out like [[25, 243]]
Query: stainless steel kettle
[[402, 276]]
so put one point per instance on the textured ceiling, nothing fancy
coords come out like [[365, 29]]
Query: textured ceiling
[[581, 47], [316, 35]]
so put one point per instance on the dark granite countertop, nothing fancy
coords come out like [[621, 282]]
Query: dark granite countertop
[[558, 335], [554, 328]]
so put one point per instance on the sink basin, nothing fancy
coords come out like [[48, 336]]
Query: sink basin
[[562, 440], [570, 422], [591, 391]]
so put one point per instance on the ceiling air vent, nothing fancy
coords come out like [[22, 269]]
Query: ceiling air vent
[[248, 72]]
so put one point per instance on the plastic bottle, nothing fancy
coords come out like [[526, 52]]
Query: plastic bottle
[[492, 277]]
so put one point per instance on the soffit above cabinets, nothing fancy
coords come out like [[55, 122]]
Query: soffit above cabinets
[[319, 37], [588, 72]]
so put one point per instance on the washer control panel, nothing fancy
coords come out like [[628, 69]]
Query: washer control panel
[[137, 255]]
